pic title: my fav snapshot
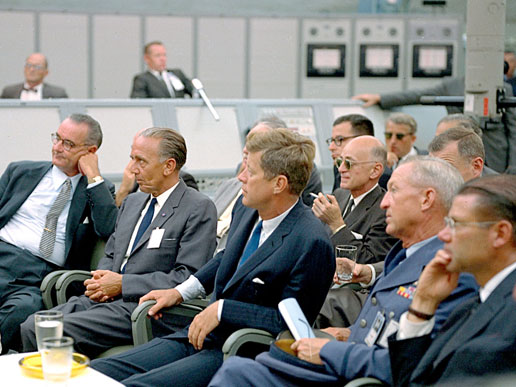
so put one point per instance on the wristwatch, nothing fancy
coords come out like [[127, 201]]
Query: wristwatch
[[96, 179]]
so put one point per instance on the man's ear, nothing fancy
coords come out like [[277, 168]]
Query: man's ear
[[477, 164], [281, 184], [92, 149], [428, 198], [376, 171], [169, 166]]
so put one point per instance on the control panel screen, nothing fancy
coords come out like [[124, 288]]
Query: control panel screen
[[326, 60], [379, 60], [432, 61]]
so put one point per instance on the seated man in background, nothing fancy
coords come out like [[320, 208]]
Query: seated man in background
[[163, 234], [51, 214], [479, 337], [276, 249], [400, 136], [344, 129], [463, 149], [158, 81], [33, 89], [420, 194], [458, 120], [354, 217]]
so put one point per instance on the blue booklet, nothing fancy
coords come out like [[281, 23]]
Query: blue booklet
[[295, 319]]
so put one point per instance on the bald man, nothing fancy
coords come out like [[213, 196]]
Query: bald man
[[33, 89]]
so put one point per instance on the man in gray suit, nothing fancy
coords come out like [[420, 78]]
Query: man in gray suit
[[400, 135], [463, 149], [158, 81], [354, 217], [51, 214], [35, 70], [162, 236], [499, 142]]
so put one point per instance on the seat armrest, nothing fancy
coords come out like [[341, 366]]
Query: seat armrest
[[47, 287], [364, 382], [66, 279], [242, 336], [140, 323]]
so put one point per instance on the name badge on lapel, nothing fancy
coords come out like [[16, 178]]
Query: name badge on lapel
[[375, 330], [155, 238]]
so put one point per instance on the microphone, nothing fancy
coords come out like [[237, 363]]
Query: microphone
[[200, 88]]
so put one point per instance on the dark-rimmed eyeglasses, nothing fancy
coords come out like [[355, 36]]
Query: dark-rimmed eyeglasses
[[452, 223], [348, 164], [399, 136], [34, 66], [338, 140], [67, 144]]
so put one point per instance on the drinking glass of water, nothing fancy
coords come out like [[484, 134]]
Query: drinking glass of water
[[346, 256], [48, 323], [56, 357]]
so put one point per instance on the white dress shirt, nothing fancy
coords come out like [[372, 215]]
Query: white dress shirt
[[27, 95]]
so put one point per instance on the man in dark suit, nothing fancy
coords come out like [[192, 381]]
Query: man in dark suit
[[158, 81], [400, 135], [276, 249], [419, 196], [35, 70], [354, 217], [163, 235], [479, 337], [463, 149], [499, 142], [36, 238]]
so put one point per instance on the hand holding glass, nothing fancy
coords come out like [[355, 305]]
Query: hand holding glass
[[346, 256], [48, 323], [56, 357]]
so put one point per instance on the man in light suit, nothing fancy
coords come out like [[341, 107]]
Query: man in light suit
[[463, 149], [163, 235], [499, 142], [419, 196], [35, 70], [158, 81], [478, 339], [276, 249], [354, 217], [28, 191]]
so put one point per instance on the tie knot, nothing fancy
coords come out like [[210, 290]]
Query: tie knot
[[153, 202]]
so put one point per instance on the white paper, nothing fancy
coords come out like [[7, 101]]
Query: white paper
[[155, 238]]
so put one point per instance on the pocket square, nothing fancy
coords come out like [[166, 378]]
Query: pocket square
[[258, 281], [86, 220]]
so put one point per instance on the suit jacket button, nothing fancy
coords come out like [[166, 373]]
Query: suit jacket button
[[374, 301], [363, 323], [391, 314]]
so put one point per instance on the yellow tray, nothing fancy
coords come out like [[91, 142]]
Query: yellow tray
[[31, 365]]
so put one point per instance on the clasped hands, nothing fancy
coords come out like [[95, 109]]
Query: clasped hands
[[202, 324], [103, 286]]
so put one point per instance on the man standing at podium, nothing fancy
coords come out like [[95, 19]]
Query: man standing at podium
[[158, 81]]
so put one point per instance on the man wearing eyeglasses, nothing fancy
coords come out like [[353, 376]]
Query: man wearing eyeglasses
[[50, 216], [400, 135], [344, 129], [479, 337], [33, 89]]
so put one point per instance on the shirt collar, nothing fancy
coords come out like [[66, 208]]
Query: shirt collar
[[493, 283], [412, 152], [358, 199], [416, 246], [269, 225], [161, 199], [59, 177], [37, 87]]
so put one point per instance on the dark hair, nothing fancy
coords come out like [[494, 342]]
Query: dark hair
[[496, 197], [171, 146], [94, 136], [469, 144], [360, 125]]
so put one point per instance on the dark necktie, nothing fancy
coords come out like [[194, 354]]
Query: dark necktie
[[398, 258], [252, 245], [30, 89], [48, 238], [146, 221], [349, 207]]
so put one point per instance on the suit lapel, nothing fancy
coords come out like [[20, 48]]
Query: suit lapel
[[362, 207], [482, 316], [159, 83], [268, 247], [164, 213]]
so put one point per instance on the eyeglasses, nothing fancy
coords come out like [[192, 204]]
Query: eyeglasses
[[67, 144], [349, 163], [338, 140], [399, 136], [452, 224], [34, 66]]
